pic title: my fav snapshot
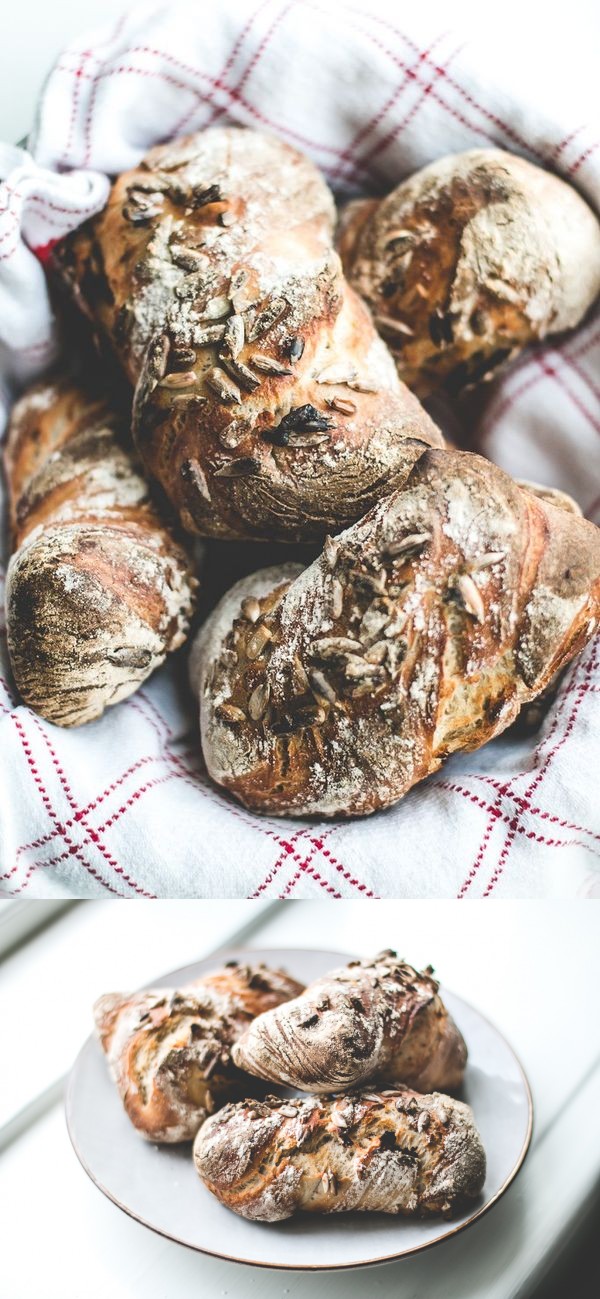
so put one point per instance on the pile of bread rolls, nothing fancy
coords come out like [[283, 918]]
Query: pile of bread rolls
[[370, 1047], [273, 385]]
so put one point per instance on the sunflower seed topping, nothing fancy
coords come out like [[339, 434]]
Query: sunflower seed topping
[[182, 358], [415, 541], [295, 349], [423, 1121], [362, 385], [268, 364], [356, 667], [205, 335], [471, 597], [222, 385], [343, 405], [300, 679], [257, 640], [486, 561], [377, 652], [188, 258], [389, 325], [157, 356], [337, 598], [289, 1111], [245, 467], [336, 374], [237, 370], [216, 308], [321, 685], [327, 647], [229, 713], [179, 379], [259, 701], [233, 338], [265, 319], [250, 608], [331, 550]]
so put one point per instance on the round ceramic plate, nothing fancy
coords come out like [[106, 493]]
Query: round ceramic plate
[[159, 1187]]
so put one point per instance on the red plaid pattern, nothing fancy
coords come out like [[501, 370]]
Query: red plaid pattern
[[123, 807]]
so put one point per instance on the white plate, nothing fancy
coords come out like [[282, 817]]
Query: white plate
[[159, 1187]]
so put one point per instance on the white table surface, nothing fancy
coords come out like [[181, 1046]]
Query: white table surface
[[532, 968]]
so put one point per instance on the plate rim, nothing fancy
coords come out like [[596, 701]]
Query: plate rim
[[230, 953]]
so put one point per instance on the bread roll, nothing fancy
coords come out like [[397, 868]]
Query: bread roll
[[98, 590], [469, 260], [376, 1019], [383, 1152], [266, 405], [419, 632], [169, 1050]]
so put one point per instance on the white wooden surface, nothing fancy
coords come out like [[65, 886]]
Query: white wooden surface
[[532, 968]]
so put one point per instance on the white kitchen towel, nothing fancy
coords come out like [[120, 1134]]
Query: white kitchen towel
[[370, 91]]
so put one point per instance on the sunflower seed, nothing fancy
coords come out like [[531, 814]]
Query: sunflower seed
[[486, 561], [299, 677], [337, 598], [245, 467], [362, 385], [289, 1111], [224, 388], [265, 319], [356, 667], [259, 701], [200, 197], [327, 647], [471, 597], [377, 652], [331, 550], [310, 714], [157, 356], [373, 622], [216, 308], [423, 1121], [187, 258], [192, 286], [267, 364], [237, 370], [182, 358], [342, 405], [336, 374], [192, 472], [203, 335], [233, 338], [257, 640], [321, 685], [338, 1120], [179, 379], [415, 541], [443, 1116], [250, 608], [295, 349], [151, 184], [306, 439], [229, 713], [398, 239], [391, 326]]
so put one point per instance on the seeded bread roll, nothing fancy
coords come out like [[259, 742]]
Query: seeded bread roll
[[266, 405], [469, 260], [385, 1152], [169, 1051], [419, 632], [98, 589], [377, 1019]]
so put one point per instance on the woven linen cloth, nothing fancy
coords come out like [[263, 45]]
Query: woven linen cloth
[[371, 92]]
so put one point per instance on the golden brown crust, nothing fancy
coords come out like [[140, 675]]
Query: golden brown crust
[[98, 588], [469, 260], [169, 1051], [266, 405], [420, 631], [376, 1019], [387, 1152]]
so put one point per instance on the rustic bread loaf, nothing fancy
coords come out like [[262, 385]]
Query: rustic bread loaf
[[469, 260], [169, 1051], [98, 588], [420, 631], [377, 1019], [386, 1152], [266, 405]]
